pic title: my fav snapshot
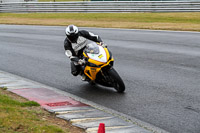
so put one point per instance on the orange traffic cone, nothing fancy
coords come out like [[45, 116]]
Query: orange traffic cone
[[101, 128]]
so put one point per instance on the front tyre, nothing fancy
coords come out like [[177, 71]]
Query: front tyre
[[117, 82]]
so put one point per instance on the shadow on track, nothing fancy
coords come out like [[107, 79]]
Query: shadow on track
[[98, 90]]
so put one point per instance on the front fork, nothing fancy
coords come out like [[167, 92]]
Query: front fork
[[107, 77]]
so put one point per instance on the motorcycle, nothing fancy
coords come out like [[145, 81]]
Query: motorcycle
[[98, 67]]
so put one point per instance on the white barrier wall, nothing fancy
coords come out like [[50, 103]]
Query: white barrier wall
[[106, 6]]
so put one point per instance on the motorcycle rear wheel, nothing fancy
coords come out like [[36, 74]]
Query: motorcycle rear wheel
[[118, 83]]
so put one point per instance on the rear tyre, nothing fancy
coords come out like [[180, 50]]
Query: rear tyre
[[117, 82], [91, 83]]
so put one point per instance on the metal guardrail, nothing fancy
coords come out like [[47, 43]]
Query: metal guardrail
[[114, 6]]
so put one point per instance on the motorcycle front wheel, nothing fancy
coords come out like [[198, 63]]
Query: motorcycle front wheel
[[117, 82]]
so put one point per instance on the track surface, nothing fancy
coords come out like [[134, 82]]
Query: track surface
[[161, 71]]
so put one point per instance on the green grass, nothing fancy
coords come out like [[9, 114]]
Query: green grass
[[121, 17], [3, 88], [168, 21], [5, 100], [16, 118], [57, 0]]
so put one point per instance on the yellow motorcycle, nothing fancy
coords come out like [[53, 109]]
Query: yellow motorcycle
[[98, 67]]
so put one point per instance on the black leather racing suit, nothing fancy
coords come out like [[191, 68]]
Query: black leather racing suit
[[74, 48]]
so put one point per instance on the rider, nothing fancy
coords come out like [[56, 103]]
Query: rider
[[74, 44]]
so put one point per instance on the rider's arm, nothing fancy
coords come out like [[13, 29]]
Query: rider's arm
[[90, 36], [93, 37], [69, 52]]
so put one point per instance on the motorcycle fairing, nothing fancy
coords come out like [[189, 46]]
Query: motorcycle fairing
[[91, 72], [96, 55]]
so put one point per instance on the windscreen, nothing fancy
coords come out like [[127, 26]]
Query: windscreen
[[92, 48]]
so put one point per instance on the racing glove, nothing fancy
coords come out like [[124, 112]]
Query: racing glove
[[103, 44], [81, 62], [78, 61]]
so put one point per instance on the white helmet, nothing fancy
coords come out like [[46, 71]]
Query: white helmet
[[72, 33]]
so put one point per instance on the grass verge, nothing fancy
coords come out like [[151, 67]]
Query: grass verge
[[58, 0], [156, 21], [19, 115]]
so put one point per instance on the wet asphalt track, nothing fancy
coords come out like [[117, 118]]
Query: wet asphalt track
[[161, 71]]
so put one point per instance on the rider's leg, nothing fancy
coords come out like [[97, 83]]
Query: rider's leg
[[75, 69]]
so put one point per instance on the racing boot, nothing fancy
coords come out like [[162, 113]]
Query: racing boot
[[83, 77]]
